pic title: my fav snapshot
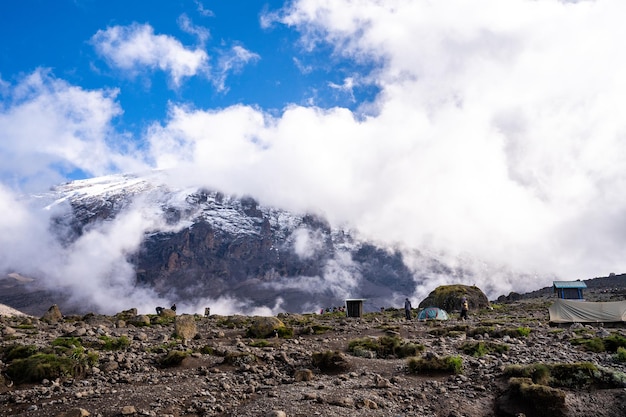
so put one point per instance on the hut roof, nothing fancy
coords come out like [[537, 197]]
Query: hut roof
[[569, 284]]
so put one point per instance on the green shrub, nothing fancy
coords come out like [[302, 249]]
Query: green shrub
[[240, 358], [621, 354], [478, 349], [38, 366], [260, 343], [541, 400], [67, 342], [330, 361], [595, 344], [573, 375], [114, 343], [173, 358], [10, 353], [614, 341], [285, 332], [384, 347], [435, 364], [409, 349], [569, 375], [320, 329], [523, 331]]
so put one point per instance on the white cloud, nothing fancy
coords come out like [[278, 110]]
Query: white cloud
[[498, 134], [232, 61], [203, 34], [48, 126], [136, 47]]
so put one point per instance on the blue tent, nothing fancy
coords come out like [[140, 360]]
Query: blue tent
[[432, 313]]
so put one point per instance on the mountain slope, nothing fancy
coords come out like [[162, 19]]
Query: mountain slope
[[197, 246]]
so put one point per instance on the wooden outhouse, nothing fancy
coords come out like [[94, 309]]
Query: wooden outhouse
[[354, 307]]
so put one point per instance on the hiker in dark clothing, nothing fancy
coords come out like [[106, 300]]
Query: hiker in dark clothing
[[173, 308], [464, 308], [407, 309]]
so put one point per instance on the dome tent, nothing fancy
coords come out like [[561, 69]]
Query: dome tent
[[432, 313]]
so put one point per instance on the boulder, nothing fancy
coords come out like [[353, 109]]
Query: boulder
[[448, 297], [263, 327], [167, 313], [185, 327], [53, 314], [140, 320], [126, 314]]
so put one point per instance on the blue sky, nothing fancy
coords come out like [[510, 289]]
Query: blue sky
[[277, 71], [483, 129]]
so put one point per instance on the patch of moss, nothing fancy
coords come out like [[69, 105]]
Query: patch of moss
[[446, 331], [542, 400], [384, 347], [173, 358], [72, 363], [330, 361], [435, 364], [478, 349], [12, 352], [240, 358], [582, 375], [260, 343], [614, 341], [114, 343], [67, 342], [320, 329], [595, 344]]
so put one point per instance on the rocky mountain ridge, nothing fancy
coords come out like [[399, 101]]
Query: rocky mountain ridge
[[200, 244]]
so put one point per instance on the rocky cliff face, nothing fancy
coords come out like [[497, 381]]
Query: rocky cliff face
[[207, 245]]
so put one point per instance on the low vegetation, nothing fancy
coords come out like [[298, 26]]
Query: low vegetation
[[433, 364], [383, 347], [478, 349], [173, 358], [65, 358], [542, 400], [610, 343], [330, 361], [582, 375]]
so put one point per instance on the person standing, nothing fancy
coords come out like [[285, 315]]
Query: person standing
[[407, 309], [464, 308]]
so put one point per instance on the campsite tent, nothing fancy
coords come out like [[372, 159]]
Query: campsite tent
[[576, 311], [432, 313]]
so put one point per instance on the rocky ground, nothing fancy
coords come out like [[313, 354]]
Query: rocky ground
[[227, 373]]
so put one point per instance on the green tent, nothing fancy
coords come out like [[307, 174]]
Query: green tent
[[432, 313]]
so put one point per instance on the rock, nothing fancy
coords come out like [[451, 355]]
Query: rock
[[75, 412], [128, 410], [448, 297], [263, 327], [126, 314], [139, 320], [276, 413], [53, 315], [303, 375], [167, 313], [185, 327]]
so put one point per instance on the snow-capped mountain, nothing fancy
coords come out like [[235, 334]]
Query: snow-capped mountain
[[197, 245]]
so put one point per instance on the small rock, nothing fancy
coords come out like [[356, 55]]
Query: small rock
[[128, 410], [276, 413], [75, 412]]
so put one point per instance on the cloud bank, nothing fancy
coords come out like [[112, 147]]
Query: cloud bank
[[497, 133]]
